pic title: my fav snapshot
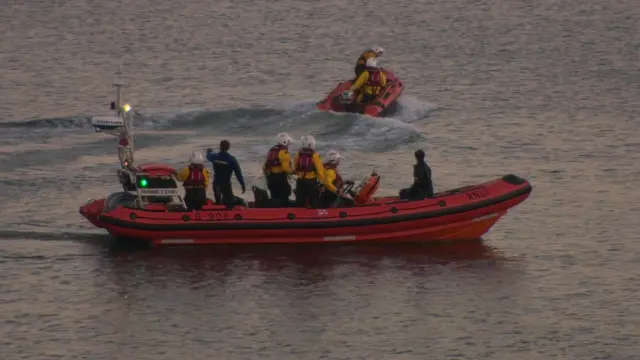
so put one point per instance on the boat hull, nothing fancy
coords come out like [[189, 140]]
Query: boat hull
[[460, 214]]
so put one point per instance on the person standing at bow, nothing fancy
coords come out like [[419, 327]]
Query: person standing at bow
[[225, 165], [277, 169], [195, 179], [309, 171]]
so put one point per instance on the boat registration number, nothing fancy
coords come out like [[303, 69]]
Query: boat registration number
[[212, 216], [477, 194]]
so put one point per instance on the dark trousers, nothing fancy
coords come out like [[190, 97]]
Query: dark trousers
[[416, 193], [195, 198], [279, 188], [223, 194], [307, 192], [327, 198]]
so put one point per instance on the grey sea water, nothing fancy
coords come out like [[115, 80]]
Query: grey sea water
[[547, 90]]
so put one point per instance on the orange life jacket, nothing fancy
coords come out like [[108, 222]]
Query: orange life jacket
[[305, 161], [374, 80], [273, 158], [196, 178]]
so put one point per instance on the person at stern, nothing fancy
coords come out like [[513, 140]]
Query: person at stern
[[195, 179]]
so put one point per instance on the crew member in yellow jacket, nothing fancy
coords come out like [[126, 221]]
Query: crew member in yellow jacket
[[369, 84], [195, 179], [370, 53], [277, 169], [332, 194], [309, 172]]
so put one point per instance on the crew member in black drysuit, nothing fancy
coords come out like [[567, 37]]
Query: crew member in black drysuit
[[422, 186], [224, 165]]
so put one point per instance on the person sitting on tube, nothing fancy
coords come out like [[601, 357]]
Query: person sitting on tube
[[422, 186]]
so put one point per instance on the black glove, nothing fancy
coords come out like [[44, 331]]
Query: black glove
[[244, 189]]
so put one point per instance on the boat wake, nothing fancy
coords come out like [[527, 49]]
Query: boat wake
[[285, 113], [344, 131]]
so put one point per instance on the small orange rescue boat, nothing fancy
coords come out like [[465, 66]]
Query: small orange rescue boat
[[384, 104]]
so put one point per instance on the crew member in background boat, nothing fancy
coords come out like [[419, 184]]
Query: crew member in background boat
[[422, 186], [224, 165], [370, 82], [309, 172], [370, 53], [195, 179], [277, 169], [331, 192]]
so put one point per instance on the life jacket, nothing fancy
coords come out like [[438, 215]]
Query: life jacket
[[374, 80], [196, 178], [338, 180], [273, 158], [305, 161]]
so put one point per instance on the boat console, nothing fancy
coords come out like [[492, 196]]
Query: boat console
[[151, 185]]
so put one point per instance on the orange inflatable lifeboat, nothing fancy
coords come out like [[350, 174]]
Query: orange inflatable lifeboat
[[151, 208]]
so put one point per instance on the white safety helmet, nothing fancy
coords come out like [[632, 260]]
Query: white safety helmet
[[284, 139], [308, 142], [196, 158], [378, 50], [334, 157], [372, 63]]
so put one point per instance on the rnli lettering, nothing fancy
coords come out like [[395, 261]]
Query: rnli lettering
[[212, 216], [477, 194], [158, 192], [215, 216]]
